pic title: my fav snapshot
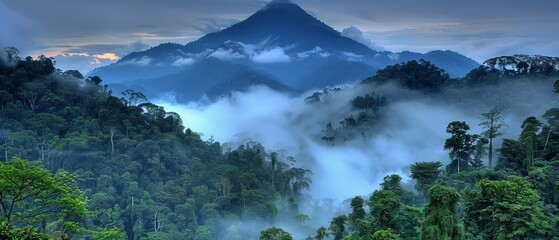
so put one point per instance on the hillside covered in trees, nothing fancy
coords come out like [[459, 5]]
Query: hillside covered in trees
[[78, 162], [134, 169]]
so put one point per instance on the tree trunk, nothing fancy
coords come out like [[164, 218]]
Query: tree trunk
[[6, 150], [547, 139], [490, 152], [43, 151], [194, 216], [112, 141]]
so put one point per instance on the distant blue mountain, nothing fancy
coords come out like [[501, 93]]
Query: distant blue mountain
[[281, 46]]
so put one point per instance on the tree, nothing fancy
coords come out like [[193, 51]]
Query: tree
[[274, 161], [9, 56], [491, 122], [511, 156], [337, 227], [275, 233], [479, 152], [358, 212], [385, 234], [508, 210], [385, 206], [32, 93], [321, 233], [552, 118], [95, 80], [460, 145], [75, 73], [131, 97], [409, 221], [439, 219], [392, 183], [556, 86], [425, 174], [110, 234], [31, 195], [415, 75], [22, 183], [528, 138], [357, 221]]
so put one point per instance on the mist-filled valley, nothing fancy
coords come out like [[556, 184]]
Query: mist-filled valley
[[234, 168], [271, 122]]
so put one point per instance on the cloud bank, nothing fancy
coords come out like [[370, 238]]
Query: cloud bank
[[411, 132], [274, 55], [357, 35]]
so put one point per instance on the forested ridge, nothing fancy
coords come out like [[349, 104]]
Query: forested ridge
[[512, 196], [78, 162], [141, 174]]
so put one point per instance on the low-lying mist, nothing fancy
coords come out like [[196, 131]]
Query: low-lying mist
[[411, 129]]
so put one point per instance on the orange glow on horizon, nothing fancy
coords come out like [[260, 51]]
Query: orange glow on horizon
[[109, 56]]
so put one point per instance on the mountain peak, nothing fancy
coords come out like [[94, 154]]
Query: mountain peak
[[280, 2]]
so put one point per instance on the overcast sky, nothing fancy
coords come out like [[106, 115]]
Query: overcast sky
[[87, 34]]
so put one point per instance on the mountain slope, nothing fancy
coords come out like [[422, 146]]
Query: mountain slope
[[281, 43], [211, 77], [282, 23]]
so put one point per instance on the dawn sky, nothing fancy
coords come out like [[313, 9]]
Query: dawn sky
[[87, 34]]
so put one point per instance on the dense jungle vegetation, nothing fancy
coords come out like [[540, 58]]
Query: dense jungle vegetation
[[77, 162]]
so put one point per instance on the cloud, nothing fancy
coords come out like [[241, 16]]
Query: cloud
[[82, 62], [228, 54], [143, 61], [357, 35], [136, 47], [394, 56], [108, 55], [316, 50], [17, 29], [411, 128], [352, 56], [274, 55], [213, 24], [184, 21], [408, 134], [86, 57], [183, 62]]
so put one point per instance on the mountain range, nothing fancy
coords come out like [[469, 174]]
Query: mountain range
[[281, 46], [520, 64]]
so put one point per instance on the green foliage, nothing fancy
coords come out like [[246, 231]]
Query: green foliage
[[385, 206], [415, 75], [141, 171], [275, 233], [110, 234], [461, 146], [22, 233], [33, 197], [511, 157], [321, 233], [508, 210], [26, 191], [491, 122], [358, 212], [145, 177], [528, 139], [440, 220], [337, 227], [426, 174], [385, 234], [409, 221], [370, 101]]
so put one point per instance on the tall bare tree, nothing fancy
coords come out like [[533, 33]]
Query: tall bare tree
[[491, 122]]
